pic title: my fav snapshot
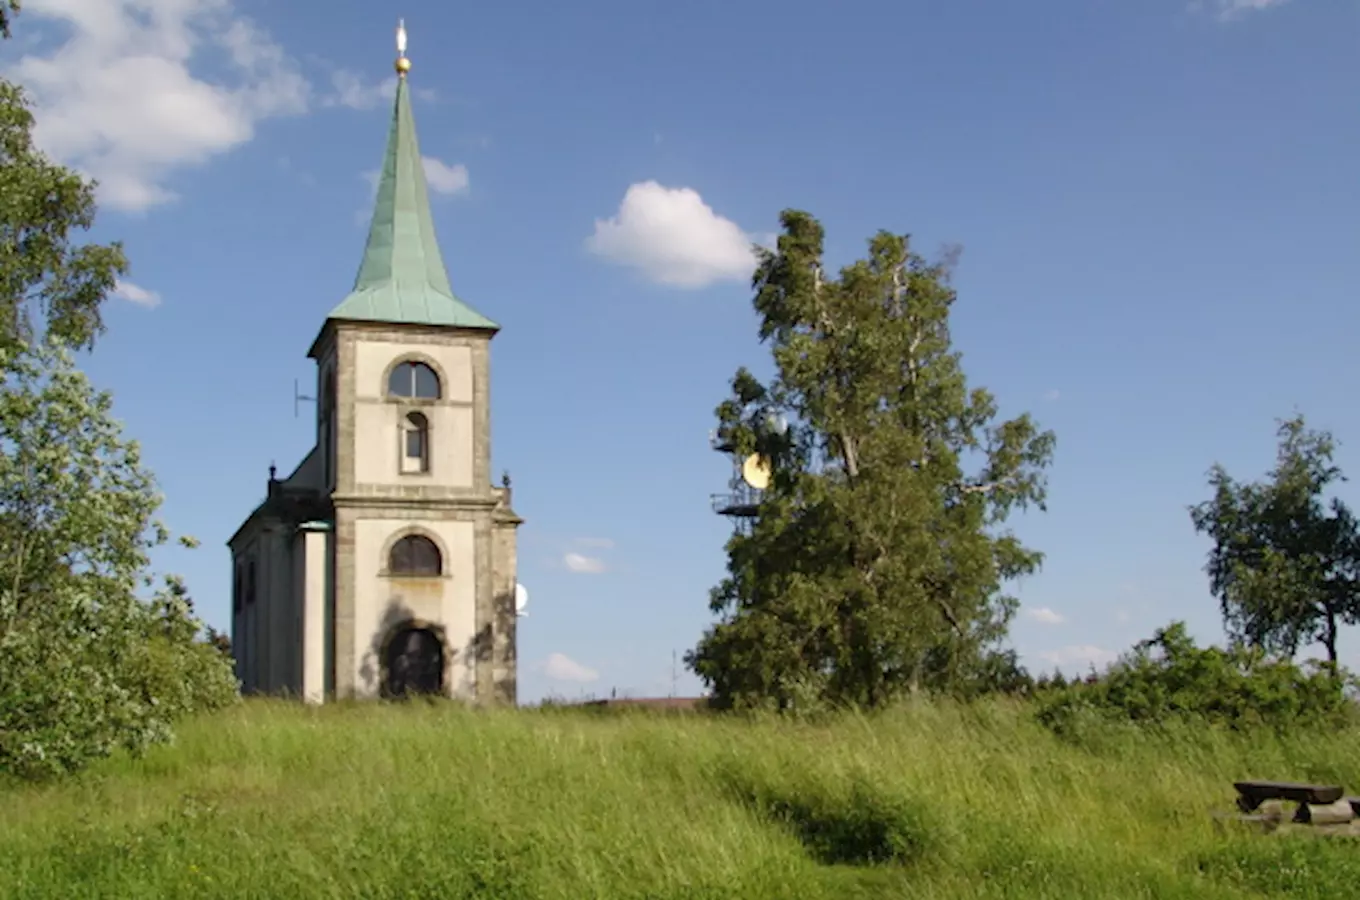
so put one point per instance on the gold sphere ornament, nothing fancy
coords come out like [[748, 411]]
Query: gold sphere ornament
[[403, 65]]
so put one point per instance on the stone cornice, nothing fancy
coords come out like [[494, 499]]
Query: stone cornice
[[389, 501]]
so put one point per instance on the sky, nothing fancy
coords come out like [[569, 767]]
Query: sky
[[1157, 203]]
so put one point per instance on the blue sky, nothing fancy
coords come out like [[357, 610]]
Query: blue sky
[[1158, 205]]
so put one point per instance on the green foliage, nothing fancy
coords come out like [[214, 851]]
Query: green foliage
[[1169, 679], [86, 666], [41, 271], [990, 671], [220, 641], [1285, 563], [185, 667], [876, 564]]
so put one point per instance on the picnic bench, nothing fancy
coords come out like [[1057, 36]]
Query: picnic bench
[[1323, 805], [1251, 794]]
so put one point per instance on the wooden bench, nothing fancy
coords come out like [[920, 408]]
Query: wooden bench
[[1323, 810], [1251, 794]]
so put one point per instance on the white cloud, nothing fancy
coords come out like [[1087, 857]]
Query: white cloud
[[561, 667], [1122, 616], [767, 239], [117, 98], [1231, 9], [1082, 656], [353, 91], [1045, 615], [673, 237], [1052, 395], [137, 294], [584, 565], [443, 178]]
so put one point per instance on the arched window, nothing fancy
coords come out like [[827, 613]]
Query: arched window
[[413, 379], [415, 444], [414, 555], [237, 590], [250, 583]]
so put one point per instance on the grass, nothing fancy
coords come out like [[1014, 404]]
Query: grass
[[935, 801]]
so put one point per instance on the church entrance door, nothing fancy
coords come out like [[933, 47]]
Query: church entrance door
[[415, 663]]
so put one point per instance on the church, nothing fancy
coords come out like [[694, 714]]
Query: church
[[384, 564]]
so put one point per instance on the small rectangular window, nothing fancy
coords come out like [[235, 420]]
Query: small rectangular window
[[415, 444]]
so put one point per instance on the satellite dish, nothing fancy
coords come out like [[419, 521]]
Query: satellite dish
[[521, 600], [775, 423], [756, 472]]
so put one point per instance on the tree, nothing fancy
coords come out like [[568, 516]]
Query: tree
[[46, 281], [221, 642], [877, 560], [1285, 560], [86, 666]]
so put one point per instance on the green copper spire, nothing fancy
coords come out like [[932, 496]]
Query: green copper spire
[[402, 278]]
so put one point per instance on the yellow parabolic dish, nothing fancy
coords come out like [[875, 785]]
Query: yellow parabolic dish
[[755, 471]]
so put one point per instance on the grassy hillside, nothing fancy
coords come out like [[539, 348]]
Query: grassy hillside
[[273, 800]]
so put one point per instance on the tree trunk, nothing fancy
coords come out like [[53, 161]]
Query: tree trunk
[[851, 455], [1329, 638]]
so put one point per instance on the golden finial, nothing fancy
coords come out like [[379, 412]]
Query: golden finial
[[403, 64]]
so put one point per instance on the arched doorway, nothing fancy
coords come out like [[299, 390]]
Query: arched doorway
[[415, 663]]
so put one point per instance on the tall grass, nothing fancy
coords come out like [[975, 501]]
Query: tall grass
[[938, 801]]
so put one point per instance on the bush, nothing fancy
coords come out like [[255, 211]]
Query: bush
[[77, 685], [182, 668], [86, 666], [1168, 678]]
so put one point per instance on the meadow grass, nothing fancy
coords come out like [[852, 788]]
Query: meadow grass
[[272, 799]]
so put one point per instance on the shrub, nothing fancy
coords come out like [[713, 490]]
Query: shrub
[[86, 666], [182, 670], [1167, 678]]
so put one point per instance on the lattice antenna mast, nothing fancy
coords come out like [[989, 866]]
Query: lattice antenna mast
[[750, 476]]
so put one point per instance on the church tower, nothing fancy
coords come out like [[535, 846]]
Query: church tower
[[385, 563]]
